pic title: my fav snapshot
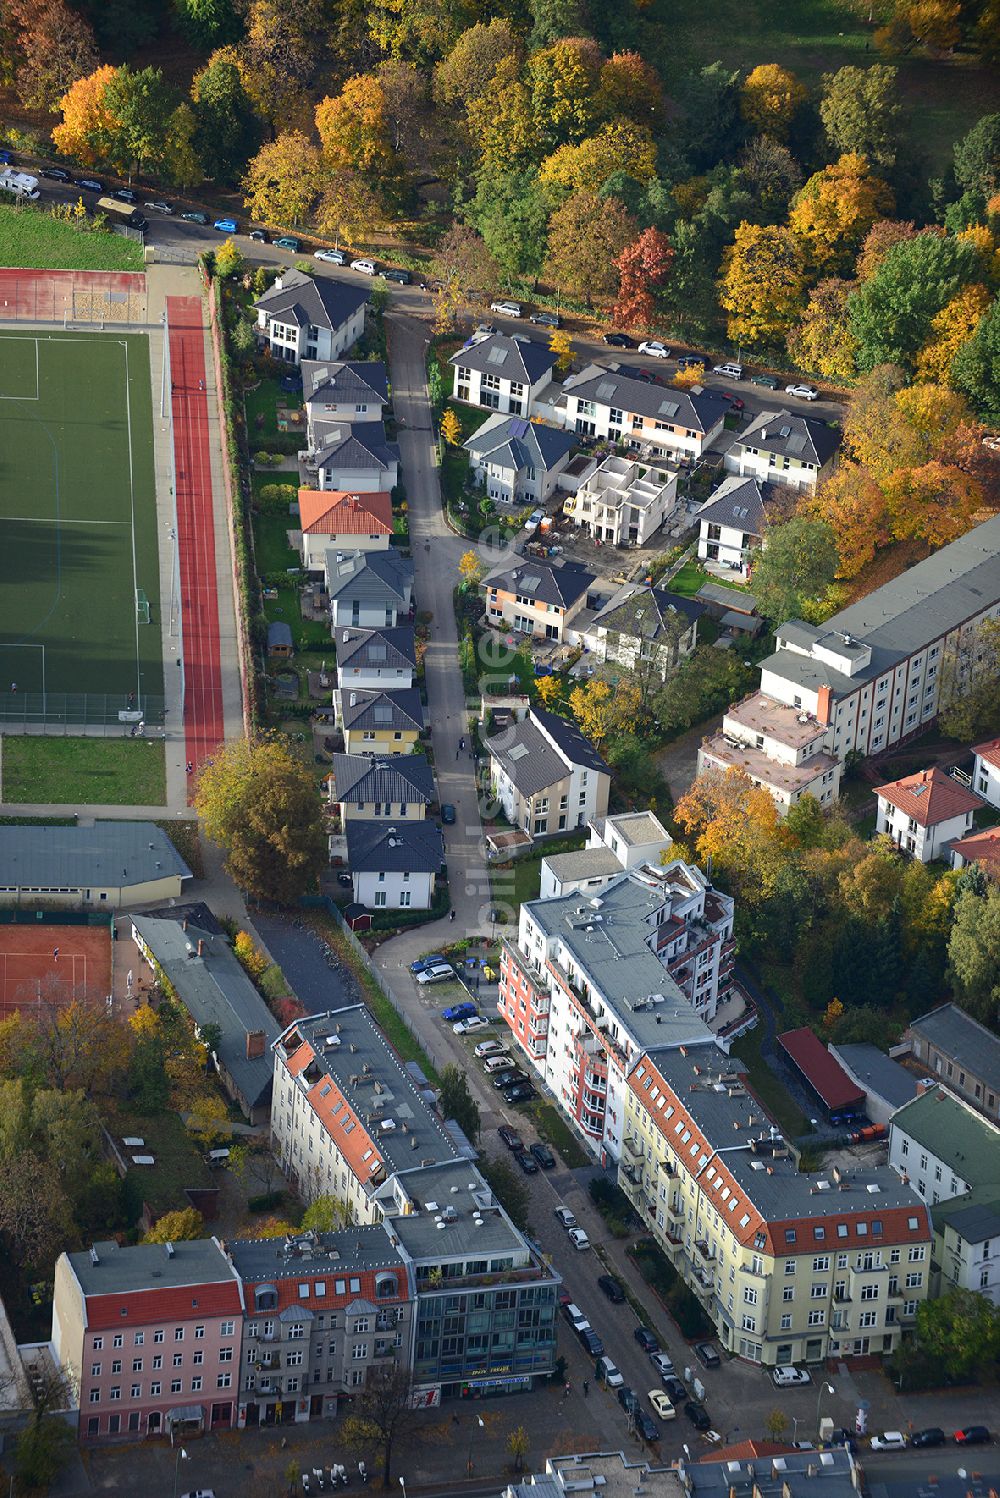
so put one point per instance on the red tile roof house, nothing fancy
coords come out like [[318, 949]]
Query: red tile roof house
[[924, 813], [986, 775], [332, 517], [981, 847]]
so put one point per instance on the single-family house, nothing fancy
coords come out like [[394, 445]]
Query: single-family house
[[398, 787], [368, 589], [394, 867], [377, 722], [305, 318], [536, 598], [613, 403], [331, 518], [731, 523], [518, 461], [502, 373], [191, 951], [982, 847], [547, 777], [924, 813], [336, 393], [986, 771], [643, 628], [356, 459], [623, 502], [382, 658], [783, 448]]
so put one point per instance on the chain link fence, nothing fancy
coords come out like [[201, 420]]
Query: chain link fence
[[74, 297]]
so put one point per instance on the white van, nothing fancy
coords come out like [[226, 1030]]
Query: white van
[[731, 371], [575, 1317]]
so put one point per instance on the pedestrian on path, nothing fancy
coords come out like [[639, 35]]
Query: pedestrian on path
[[461, 742], [586, 1387]]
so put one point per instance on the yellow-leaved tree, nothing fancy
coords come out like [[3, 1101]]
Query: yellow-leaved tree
[[771, 96], [176, 1227], [950, 328], [763, 285], [831, 214], [86, 124], [470, 568], [283, 180], [561, 345], [451, 427]]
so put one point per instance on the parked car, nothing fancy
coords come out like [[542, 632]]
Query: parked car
[[768, 382], [126, 195], [56, 174], [619, 340], [200, 1493], [842, 1437], [646, 1426], [226, 226], [654, 348], [972, 1435], [932, 1436], [591, 1342], [661, 1363], [519, 1092], [608, 1373], [661, 1404], [804, 392], [89, 184], [507, 1076], [465, 1010], [366, 267], [433, 959], [693, 361], [401, 277], [564, 1298], [735, 402], [565, 1218], [345, 879], [545, 319], [448, 814], [785, 1378], [611, 1288], [332, 257], [288, 242], [527, 1162], [707, 1354], [544, 1156], [195, 216], [471, 1025], [159, 205], [646, 1340], [889, 1440], [674, 1387], [698, 1415], [628, 1399], [509, 309], [578, 1238], [511, 1137], [259, 236], [488, 1048], [733, 370], [436, 974], [575, 1316]]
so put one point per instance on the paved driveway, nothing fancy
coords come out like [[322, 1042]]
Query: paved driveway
[[298, 951]]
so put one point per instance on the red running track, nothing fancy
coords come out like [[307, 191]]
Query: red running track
[[203, 715]]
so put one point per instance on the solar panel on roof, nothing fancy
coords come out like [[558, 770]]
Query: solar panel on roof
[[519, 428], [669, 408], [530, 580], [377, 652], [383, 714], [496, 356], [784, 431], [519, 751], [606, 390], [796, 444]]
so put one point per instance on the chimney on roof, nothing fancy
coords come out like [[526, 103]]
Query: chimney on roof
[[256, 1044], [823, 699], [201, 947], [184, 924]]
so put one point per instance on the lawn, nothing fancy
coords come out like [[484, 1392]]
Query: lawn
[[554, 1130], [106, 772], [262, 421], [31, 237], [942, 98], [691, 577], [791, 1120], [179, 1166], [520, 880]]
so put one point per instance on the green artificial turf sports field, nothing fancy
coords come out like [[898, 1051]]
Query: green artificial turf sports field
[[78, 521]]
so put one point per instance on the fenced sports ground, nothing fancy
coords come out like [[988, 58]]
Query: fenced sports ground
[[53, 964], [79, 572]]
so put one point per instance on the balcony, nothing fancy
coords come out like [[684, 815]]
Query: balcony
[[701, 1244], [632, 1175], [667, 1168], [633, 1147]]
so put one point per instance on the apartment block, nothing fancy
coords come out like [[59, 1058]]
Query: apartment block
[[958, 1051], [586, 991], [791, 1266]]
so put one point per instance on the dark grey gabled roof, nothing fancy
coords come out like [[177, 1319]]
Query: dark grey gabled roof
[[964, 1039], [738, 503], [376, 647], [696, 411], [406, 848], [528, 757], [545, 583], [647, 613], [361, 445], [108, 855], [578, 749], [324, 302], [510, 358], [339, 381], [369, 574], [791, 436], [396, 777], [514, 442], [368, 708]]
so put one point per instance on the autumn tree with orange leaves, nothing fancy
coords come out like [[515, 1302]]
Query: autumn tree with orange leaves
[[642, 267], [86, 124]]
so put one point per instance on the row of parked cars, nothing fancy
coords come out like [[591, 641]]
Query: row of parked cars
[[653, 348]]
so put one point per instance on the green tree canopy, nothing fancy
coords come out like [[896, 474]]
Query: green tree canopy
[[227, 131], [890, 314], [795, 567], [974, 952], [960, 1332], [975, 369], [141, 104], [860, 112], [977, 157], [457, 1102]]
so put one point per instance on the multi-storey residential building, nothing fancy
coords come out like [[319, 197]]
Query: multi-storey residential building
[[614, 403], [624, 841], [536, 598], [867, 678], [924, 813], [950, 1045], [307, 317], [623, 502], [783, 448], [151, 1337], [346, 1115], [322, 1311], [586, 990], [950, 1155], [486, 1300], [546, 775], [503, 374], [790, 1266]]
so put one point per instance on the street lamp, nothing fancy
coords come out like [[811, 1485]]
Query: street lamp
[[182, 1456], [482, 1426], [823, 1389]]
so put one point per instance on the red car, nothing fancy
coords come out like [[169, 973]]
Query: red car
[[972, 1435], [735, 404]]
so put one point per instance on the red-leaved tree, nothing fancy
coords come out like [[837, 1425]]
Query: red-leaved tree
[[642, 266]]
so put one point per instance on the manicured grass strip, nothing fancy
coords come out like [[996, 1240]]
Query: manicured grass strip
[[30, 237], [555, 1131], [691, 577], [791, 1120], [109, 772]]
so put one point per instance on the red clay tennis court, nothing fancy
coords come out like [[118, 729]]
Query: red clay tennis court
[[29, 968], [72, 295]]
